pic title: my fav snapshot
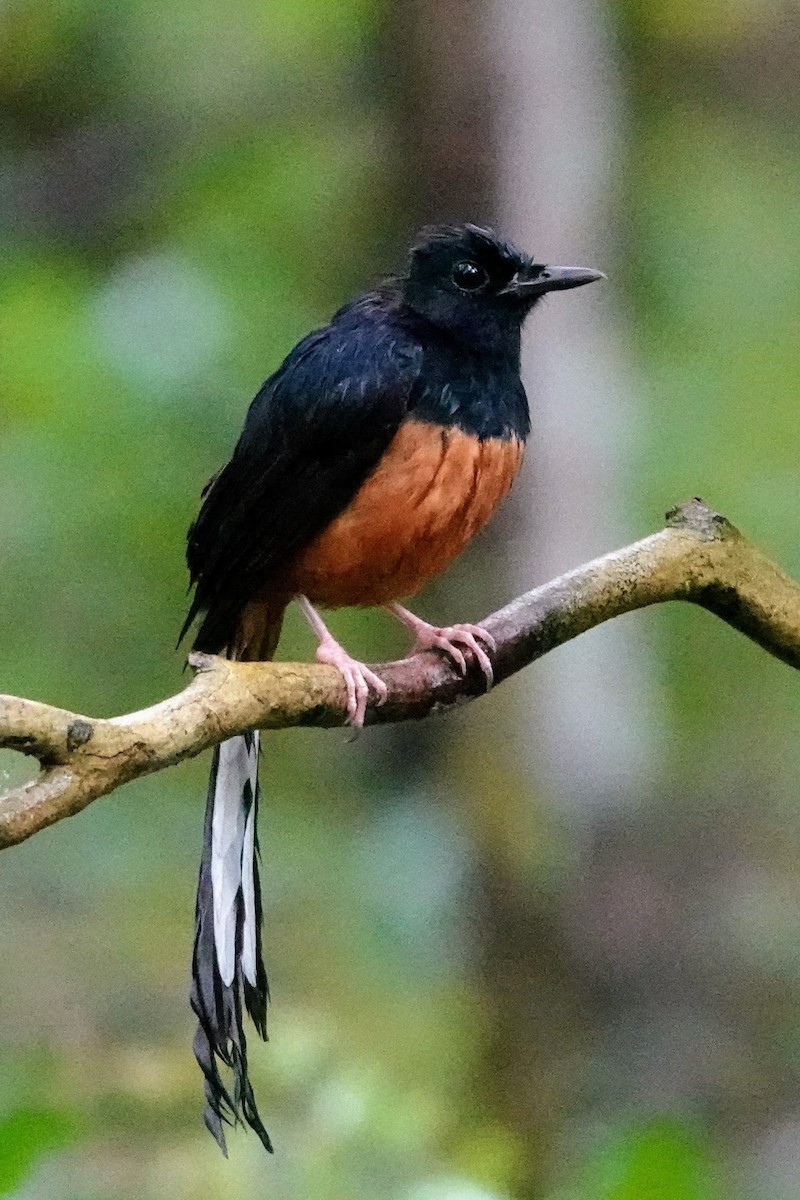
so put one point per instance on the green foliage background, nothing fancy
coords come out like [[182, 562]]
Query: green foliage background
[[185, 189]]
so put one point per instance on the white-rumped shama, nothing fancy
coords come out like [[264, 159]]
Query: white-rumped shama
[[381, 445]]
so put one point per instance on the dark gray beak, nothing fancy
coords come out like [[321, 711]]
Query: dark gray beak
[[536, 280]]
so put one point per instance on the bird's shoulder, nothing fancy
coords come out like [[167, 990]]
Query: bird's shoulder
[[360, 367], [451, 384]]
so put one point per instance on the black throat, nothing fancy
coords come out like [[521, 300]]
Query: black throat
[[477, 390]]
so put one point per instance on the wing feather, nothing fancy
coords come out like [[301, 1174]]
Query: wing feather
[[313, 434]]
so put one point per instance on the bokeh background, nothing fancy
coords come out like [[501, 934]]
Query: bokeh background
[[547, 947]]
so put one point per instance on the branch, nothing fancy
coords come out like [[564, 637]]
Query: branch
[[699, 557]]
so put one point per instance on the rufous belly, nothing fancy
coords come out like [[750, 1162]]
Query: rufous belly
[[432, 491]]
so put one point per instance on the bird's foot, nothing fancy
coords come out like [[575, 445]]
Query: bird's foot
[[358, 679], [452, 640]]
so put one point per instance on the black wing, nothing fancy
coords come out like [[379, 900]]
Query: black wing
[[312, 435]]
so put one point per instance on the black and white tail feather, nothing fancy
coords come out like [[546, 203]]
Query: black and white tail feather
[[228, 972]]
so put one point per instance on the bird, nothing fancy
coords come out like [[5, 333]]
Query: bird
[[375, 452]]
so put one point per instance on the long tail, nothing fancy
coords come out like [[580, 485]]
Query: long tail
[[227, 966]]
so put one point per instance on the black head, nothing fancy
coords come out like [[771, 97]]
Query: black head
[[478, 286]]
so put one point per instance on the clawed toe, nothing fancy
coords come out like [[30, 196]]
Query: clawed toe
[[358, 680], [454, 640]]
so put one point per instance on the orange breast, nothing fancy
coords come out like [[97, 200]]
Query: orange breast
[[429, 495]]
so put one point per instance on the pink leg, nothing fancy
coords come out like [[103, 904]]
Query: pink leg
[[358, 678], [452, 639]]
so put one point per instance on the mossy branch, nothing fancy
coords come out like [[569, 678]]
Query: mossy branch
[[699, 557]]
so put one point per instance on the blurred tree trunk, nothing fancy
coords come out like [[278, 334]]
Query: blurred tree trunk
[[583, 737], [508, 113], [475, 113], [438, 70]]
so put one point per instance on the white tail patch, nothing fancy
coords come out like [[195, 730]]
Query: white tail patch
[[249, 892], [232, 851]]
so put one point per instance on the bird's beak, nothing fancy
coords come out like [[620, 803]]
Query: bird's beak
[[535, 280]]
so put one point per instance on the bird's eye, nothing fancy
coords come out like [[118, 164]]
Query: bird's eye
[[468, 276]]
